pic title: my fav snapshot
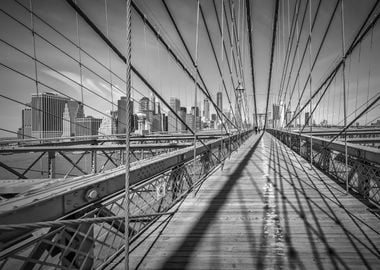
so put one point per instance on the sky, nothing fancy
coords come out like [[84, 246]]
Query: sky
[[58, 69]]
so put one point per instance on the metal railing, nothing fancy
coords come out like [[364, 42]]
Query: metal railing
[[363, 162], [90, 232]]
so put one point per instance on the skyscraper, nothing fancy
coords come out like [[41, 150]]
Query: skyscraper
[[75, 110], [87, 126], [307, 120], [66, 130], [288, 117], [182, 114], [219, 101], [206, 109], [175, 104], [190, 121], [156, 118], [108, 125], [195, 111], [144, 105], [276, 115], [47, 113], [146, 108], [164, 122], [26, 128], [173, 122], [152, 103], [122, 115]]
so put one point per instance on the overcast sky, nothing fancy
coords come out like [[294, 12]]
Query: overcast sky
[[60, 72]]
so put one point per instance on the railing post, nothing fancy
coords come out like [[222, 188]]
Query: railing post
[[229, 146], [93, 161], [121, 157], [325, 164], [363, 185], [51, 164]]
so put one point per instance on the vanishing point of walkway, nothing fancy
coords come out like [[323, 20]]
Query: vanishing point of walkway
[[268, 209]]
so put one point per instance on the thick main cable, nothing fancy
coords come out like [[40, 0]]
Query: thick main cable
[[249, 14], [171, 52], [206, 91], [271, 59], [360, 35]]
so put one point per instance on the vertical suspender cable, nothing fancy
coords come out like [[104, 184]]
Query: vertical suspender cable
[[36, 71], [344, 94], [195, 85], [217, 63], [248, 8], [357, 80], [221, 47], [80, 57], [221, 57], [109, 54], [369, 71], [298, 80], [310, 85], [271, 60], [127, 129]]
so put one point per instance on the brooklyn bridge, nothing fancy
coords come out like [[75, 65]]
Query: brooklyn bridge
[[189, 134]]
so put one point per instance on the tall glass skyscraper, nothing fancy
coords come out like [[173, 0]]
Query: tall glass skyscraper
[[122, 116], [47, 113], [219, 101], [173, 122], [206, 109]]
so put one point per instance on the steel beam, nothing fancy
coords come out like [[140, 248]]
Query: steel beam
[[369, 154], [112, 147], [55, 201]]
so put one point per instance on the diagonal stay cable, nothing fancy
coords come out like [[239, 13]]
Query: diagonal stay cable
[[216, 60], [224, 46], [169, 49], [296, 49], [207, 93], [349, 124], [249, 14], [360, 35], [318, 52], [305, 48], [271, 59], [289, 47], [133, 68]]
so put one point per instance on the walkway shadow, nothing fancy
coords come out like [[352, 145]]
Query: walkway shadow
[[200, 227]]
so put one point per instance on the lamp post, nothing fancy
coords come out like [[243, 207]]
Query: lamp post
[[239, 102]]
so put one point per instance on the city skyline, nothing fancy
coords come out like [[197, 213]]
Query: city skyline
[[59, 73], [43, 118]]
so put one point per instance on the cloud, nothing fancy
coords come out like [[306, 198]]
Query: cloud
[[73, 80]]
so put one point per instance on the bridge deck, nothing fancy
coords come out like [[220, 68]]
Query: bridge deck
[[267, 209]]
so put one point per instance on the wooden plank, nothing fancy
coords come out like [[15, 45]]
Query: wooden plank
[[268, 208]]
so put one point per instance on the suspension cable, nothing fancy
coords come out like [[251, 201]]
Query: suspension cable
[[318, 51], [216, 60], [271, 59], [289, 49], [206, 91], [249, 14], [195, 83], [168, 48], [349, 124], [356, 41]]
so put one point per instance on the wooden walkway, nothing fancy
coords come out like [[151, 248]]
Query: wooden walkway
[[268, 209]]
